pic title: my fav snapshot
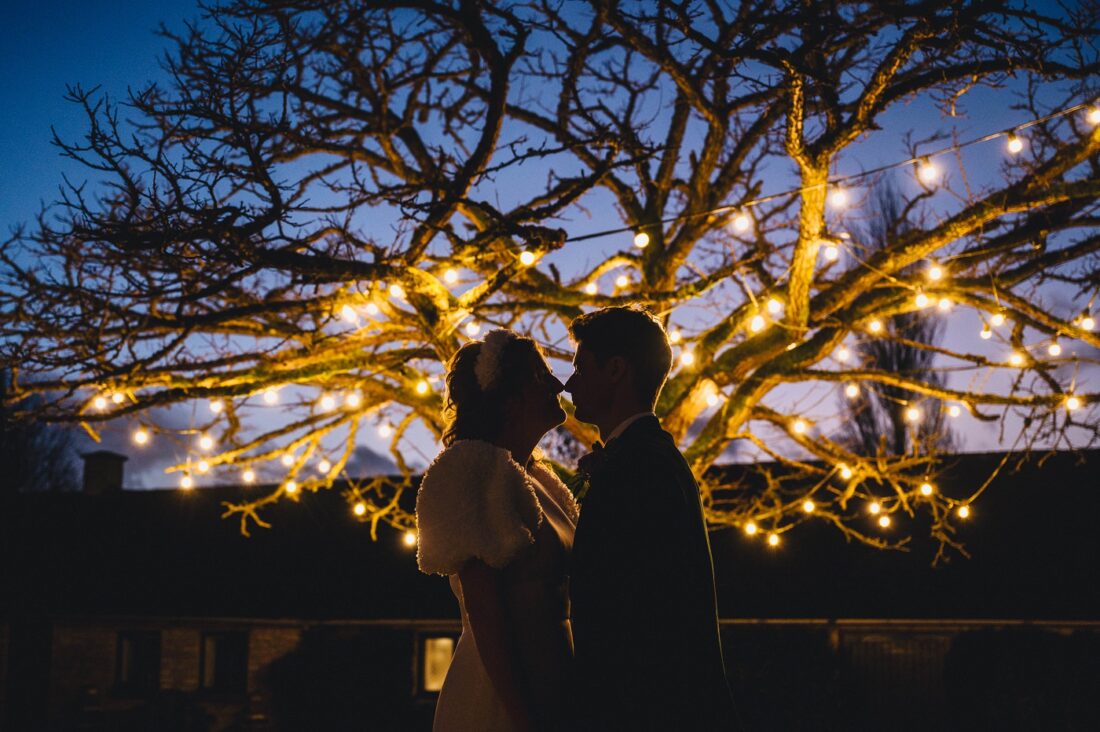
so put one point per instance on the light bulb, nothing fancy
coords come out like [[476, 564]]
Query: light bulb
[[675, 336], [945, 304], [845, 471], [884, 521], [997, 319], [348, 314], [1016, 359], [291, 487], [1087, 323], [875, 508], [687, 358], [203, 466], [1073, 403], [359, 509], [385, 430], [472, 328], [831, 252], [327, 402], [773, 539], [249, 475], [964, 511], [986, 333], [324, 466], [141, 436], [397, 291], [527, 258], [799, 426], [774, 306], [117, 397], [838, 198], [843, 354], [926, 489], [712, 400], [1015, 143], [450, 276], [912, 414], [922, 300], [422, 387], [641, 240], [751, 528], [927, 172], [622, 281], [410, 538], [954, 410], [186, 483], [100, 403], [591, 288], [1054, 349], [1094, 115], [757, 323], [875, 326], [851, 391], [206, 442], [287, 459], [271, 396], [935, 272], [217, 406], [353, 400], [808, 506], [372, 308], [741, 222]]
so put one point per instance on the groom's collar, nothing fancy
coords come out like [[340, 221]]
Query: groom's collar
[[626, 423]]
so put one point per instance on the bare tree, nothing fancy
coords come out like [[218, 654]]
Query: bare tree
[[33, 456], [334, 196]]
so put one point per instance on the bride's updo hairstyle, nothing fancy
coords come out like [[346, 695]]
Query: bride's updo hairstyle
[[474, 412]]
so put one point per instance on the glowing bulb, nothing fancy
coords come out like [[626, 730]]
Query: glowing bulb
[[641, 240], [774, 306], [831, 252], [271, 396], [291, 487], [912, 414], [922, 300], [249, 475], [851, 391], [751, 528], [954, 410], [622, 281], [687, 358], [838, 198], [385, 430], [875, 326], [472, 328], [186, 483], [217, 406], [353, 400], [1094, 116], [117, 396], [998, 319], [845, 471], [1015, 144], [410, 538], [203, 466], [141, 436], [945, 304], [712, 400], [986, 333], [808, 506], [348, 314], [799, 426], [741, 222], [773, 539], [287, 459], [359, 509], [875, 508], [422, 387], [1054, 349], [327, 402], [206, 442], [100, 403], [1016, 359], [324, 466], [527, 258], [675, 336], [1073, 403], [843, 354], [884, 521], [1087, 323], [964, 512], [591, 288], [935, 272], [372, 308], [397, 291], [927, 172], [757, 324], [926, 489], [450, 276]]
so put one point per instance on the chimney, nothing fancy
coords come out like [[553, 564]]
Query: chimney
[[102, 472]]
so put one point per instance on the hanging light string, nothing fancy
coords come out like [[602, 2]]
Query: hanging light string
[[1008, 132]]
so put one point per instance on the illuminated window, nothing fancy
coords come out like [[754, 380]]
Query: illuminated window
[[137, 667], [435, 659], [223, 662]]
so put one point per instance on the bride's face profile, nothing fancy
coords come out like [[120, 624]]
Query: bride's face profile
[[537, 408]]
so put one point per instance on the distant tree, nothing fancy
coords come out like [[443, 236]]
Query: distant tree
[[34, 456], [879, 418]]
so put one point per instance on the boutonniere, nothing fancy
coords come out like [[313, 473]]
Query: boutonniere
[[587, 466]]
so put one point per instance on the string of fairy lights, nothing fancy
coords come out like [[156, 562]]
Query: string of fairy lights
[[838, 196]]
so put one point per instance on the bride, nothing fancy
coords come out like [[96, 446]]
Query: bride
[[500, 526]]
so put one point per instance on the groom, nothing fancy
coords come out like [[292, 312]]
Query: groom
[[645, 622]]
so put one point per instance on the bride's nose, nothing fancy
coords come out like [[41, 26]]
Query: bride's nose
[[556, 385]]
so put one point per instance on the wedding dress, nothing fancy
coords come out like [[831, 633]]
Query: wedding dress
[[476, 502]]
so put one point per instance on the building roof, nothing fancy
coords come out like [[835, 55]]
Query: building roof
[[1035, 552]]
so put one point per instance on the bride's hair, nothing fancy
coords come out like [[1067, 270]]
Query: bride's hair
[[473, 413]]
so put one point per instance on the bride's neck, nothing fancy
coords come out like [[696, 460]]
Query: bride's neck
[[520, 447]]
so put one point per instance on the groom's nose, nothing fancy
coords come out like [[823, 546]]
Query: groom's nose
[[568, 382]]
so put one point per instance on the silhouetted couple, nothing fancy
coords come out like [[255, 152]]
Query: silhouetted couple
[[601, 618]]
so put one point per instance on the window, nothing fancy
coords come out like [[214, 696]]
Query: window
[[435, 659], [223, 662], [137, 670]]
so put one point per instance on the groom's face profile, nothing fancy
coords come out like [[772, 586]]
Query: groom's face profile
[[591, 385]]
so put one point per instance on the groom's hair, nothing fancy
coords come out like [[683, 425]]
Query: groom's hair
[[636, 336]]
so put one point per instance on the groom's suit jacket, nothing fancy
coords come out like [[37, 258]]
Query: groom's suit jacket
[[645, 621]]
